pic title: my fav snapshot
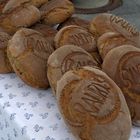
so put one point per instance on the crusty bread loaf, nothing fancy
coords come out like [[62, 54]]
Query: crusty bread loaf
[[22, 16], [56, 11], [66, 58], [103, 23], [111, 40], [76, 35], [28, 52], [93, 106], [122, 64]]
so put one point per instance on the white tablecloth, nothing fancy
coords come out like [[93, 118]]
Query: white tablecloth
[[30, 114]]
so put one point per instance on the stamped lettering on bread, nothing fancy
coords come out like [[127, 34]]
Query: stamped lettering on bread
[[40, 46], [94, 99], [82, 38], [76, 60], [88, 102], [128, 71], [124, 24]]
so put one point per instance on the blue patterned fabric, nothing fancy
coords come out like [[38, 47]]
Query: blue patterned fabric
[[30, 114]]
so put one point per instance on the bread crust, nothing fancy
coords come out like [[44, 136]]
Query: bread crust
[[92, 105], [111, 40], [64, 59], [56, 11], [110, 23], [122, 65], [22, 16], [76, 35], [28, 52]]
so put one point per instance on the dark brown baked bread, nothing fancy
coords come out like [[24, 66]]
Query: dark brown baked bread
[[12, 4], [5, 66], [103, 23], [111, 40], [75, 21], [28, 52], [64, 59], [56, 11], [93, 106], [22, 16], [76, 35], [122, 64]]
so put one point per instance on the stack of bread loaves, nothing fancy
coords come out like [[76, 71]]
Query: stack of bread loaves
[[90, 65]]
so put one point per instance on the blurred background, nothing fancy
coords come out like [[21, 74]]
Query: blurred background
[[130, 9]]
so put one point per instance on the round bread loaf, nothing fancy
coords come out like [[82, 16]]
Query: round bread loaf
[[93, 106], [122, 64], [5, 66], [75, 21], [111, 40], [56, 11], [12, 4], [103, 23], [75, 35], [22, 16], [28, 52], [64, 59]]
